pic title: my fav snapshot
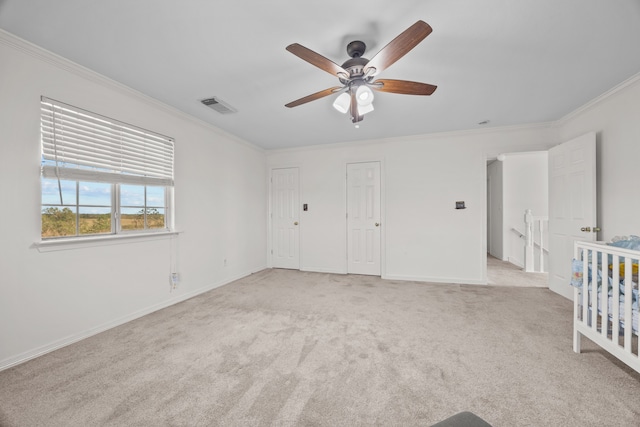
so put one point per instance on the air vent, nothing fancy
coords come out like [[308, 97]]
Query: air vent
[[218, 105]]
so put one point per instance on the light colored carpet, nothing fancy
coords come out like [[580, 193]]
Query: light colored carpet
[[288, 348], [503, 273]]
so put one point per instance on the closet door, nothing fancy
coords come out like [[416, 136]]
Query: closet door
[[363, 218], [285, 219]]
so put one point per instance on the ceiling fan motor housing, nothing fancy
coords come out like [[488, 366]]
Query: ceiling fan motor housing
[[356, 63], [355, 67], [356, 49]]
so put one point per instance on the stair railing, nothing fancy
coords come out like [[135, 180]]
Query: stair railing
[[534, 226]]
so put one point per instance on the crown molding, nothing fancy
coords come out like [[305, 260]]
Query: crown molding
[[631, 81], [65, 64], [420, 137]]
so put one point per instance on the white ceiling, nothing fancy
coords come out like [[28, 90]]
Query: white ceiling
[[510, 62]]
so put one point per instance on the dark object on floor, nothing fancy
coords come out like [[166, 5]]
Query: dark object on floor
[[463, 419]]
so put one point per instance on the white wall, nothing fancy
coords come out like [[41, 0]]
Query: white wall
[[525, 186], [615, 117], [52, 298], [424, 236]]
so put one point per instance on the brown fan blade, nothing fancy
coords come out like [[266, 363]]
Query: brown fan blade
[[313, 96], [403, 86], [318, 60], [399, 47]]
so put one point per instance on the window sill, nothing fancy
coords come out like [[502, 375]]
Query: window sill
[[83, 242]]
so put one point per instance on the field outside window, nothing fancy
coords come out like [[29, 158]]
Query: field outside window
[[74, 208], [142, 207]]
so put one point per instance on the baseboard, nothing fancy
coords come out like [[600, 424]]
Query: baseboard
[[445, 280], [516, 262], [48, 348], [322, 270]]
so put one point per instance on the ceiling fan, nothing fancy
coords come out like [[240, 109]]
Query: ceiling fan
[[357, 73]]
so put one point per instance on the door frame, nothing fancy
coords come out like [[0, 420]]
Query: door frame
[[488, 156], [383, 211], [270, 170]]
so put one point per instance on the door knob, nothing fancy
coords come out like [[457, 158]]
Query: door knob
[[585, 229], [377, 224], [295, 223], [596, 229]]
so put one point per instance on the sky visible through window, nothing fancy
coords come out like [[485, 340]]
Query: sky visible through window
[[99, 194], [95, 197]]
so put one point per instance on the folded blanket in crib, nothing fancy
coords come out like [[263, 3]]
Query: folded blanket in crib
[[577, 269]]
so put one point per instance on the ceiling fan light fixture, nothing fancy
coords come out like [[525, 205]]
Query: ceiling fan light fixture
[[342, 102], [364, 109], [364, 95]]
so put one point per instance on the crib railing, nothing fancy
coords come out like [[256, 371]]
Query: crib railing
[[599, 314], [534, 226]]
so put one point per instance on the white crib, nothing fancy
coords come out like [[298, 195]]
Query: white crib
[[610, 319]]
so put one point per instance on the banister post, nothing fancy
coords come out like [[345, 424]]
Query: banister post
[[529, 263], [541, 256]]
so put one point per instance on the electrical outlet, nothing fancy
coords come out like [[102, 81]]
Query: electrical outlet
[[174, 281]]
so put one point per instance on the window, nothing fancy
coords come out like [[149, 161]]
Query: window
[[142, 207], [101, 176]]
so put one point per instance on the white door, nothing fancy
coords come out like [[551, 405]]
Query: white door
[[572, 205], [363, 218], [285, 218]]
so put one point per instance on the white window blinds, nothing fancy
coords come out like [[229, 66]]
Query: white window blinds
[[80, 145]]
